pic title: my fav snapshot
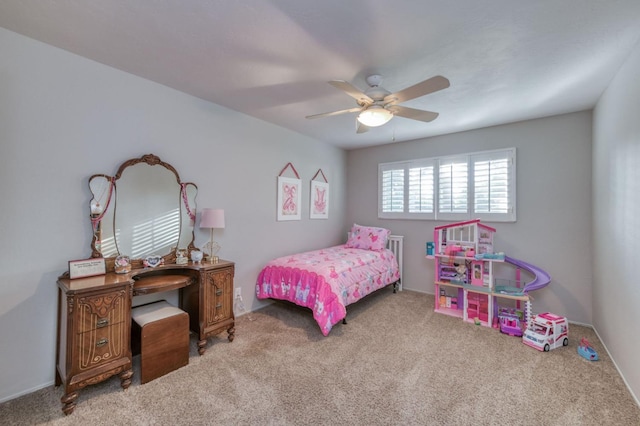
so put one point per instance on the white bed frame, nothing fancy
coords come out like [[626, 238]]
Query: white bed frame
[[395, 244]]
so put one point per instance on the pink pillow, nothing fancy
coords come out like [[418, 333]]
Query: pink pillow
[[368, 237]]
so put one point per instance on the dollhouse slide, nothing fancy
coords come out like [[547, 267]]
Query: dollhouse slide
[[542, 278]]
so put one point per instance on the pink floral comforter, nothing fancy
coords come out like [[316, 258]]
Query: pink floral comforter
[[327, 280]]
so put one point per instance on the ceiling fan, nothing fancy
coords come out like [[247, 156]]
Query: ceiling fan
[[376, 105]]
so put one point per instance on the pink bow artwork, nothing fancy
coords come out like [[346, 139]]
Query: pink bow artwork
[[289, 205]]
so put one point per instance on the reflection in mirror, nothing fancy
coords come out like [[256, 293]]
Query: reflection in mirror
[[152, 227], [144, 210], [188, 214]]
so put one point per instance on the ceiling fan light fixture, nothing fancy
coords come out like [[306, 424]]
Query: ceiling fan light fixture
[[374, 116]]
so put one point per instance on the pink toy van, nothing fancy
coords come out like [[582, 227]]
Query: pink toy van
[[547, 331]]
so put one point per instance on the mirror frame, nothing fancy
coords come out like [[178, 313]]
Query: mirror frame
[[96, 218]]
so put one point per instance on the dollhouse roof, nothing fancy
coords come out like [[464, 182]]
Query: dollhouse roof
[[465, 223]]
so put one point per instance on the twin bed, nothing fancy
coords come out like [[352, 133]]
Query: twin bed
[[329, 279]]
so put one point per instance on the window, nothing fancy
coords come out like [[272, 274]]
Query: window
[[469, 186], [415, 192]]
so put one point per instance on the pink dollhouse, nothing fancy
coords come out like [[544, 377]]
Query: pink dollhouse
[[464, 273]]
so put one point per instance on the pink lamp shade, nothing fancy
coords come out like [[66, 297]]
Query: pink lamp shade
[[212, 218]]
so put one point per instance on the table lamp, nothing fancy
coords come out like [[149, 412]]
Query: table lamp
[[212, 218]]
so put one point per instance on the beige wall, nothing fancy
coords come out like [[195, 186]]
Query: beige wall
[[616, 219], [64, 118]]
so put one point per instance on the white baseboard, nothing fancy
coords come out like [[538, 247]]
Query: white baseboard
[[635, 397]]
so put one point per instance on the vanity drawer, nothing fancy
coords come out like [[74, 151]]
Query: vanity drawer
[[101, 311], [101, 345]]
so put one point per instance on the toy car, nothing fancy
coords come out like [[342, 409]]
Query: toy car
[[547, 331], [586, 351]]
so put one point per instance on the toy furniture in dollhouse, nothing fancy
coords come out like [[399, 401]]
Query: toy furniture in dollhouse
[[449, 300], [477, 307]]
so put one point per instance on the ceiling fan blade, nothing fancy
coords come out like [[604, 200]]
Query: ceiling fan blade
[[329, 114], [412, 113], [352, 91], [361, 128], [428, 86]]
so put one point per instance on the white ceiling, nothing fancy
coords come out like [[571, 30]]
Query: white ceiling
[[507, 60]]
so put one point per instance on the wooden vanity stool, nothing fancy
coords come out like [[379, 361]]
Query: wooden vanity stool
[[160, 334]]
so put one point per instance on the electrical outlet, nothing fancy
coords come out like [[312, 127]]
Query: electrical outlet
[[238, 294]]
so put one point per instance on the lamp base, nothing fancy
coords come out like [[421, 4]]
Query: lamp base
[[211, 249]]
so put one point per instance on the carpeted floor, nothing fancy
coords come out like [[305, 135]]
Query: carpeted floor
[[395, 363]]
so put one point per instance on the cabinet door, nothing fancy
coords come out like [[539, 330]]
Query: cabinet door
[[218, 296]]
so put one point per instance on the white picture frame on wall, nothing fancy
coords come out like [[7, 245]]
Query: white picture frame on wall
[[288, 202], [319, 200]]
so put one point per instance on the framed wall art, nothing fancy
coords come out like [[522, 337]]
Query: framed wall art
[[289, 195], [319, 198]]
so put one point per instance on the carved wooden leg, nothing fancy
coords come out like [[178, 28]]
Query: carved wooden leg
[[202, 346], [69, 402], [232, 333], [125, 378]]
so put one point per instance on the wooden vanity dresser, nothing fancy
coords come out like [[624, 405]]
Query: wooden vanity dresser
[[148, 220], [94, 326]]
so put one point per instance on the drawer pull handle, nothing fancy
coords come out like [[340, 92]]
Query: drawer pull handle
[[218, 292], [100, 343], [102, 322], [219, 305]]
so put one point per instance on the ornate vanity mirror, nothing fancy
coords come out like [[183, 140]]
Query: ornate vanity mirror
[[144, 210]]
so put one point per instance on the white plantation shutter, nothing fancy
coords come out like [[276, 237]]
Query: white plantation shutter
[[472, 186], [494, 184], [392, 187], [453, 189], [421, 189]]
